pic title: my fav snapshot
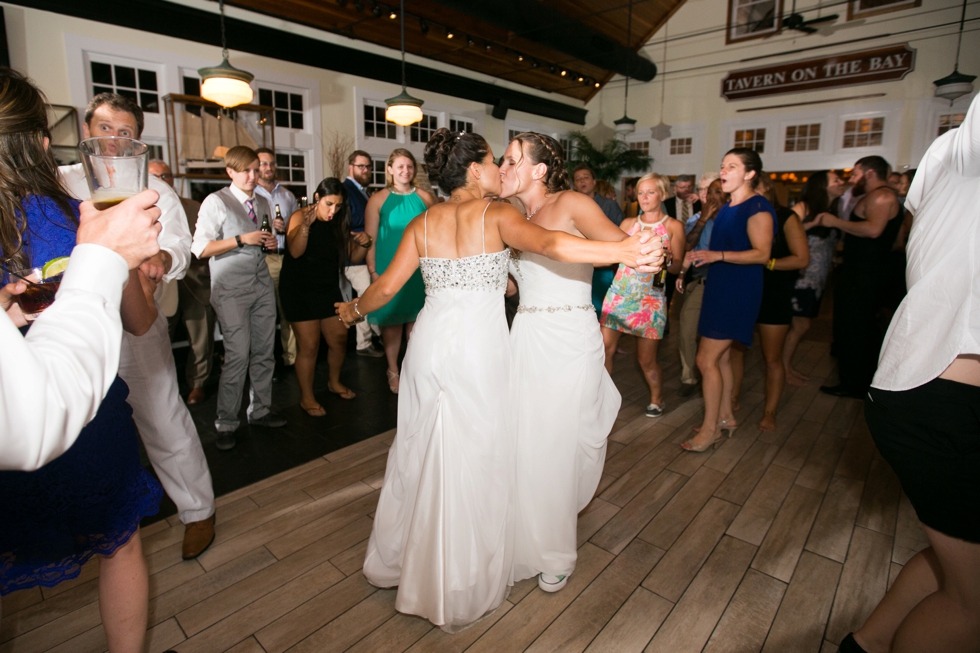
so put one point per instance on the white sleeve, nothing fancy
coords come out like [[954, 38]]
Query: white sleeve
[[52, 381], [208, 227], [963, 156], [175, 237]]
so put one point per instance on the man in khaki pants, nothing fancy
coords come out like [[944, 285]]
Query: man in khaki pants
[[272, 191]]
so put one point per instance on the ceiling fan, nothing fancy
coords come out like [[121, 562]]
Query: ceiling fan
[[796, 21]]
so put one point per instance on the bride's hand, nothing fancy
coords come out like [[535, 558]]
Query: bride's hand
[[347, 314], [643, 252]]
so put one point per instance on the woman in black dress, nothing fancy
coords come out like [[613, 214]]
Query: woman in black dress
[[319, 244]]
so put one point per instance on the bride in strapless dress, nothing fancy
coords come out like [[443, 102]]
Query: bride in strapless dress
[[443, 529], [564, 400]]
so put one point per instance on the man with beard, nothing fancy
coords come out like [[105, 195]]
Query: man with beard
[[358, 177], [869, 236]]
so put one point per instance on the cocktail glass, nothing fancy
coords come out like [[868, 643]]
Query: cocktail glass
[[40, 292], [115, 167]]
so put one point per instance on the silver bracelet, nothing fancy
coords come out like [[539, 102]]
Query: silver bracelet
[[357, 311]]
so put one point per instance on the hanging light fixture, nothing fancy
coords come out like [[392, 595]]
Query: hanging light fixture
[[224, 84], [661, 131], [626, 125], [403, 109], [957, 84]]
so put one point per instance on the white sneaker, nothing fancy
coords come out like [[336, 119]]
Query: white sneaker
[[653, 410], [551, 583]]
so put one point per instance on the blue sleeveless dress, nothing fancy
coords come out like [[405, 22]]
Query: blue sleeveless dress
[[90, 500], [733, 293]]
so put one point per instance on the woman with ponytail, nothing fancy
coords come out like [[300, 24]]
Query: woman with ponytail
[[443, 529]]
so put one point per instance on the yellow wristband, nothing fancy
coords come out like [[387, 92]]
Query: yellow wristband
[[771, 264]]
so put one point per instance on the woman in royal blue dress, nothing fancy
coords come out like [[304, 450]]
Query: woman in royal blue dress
[[741, 243], [89, 502]]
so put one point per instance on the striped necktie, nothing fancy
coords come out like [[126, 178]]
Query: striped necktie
[[250, 205]]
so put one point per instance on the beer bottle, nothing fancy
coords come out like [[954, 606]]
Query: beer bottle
[[279, 217], [266, 227]]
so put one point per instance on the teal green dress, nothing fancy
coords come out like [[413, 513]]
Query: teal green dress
[[396, 213]]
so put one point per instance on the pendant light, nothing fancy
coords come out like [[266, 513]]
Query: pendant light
[[661, 131], [627, 125], [224, 84], [956, 84], [403, 109]]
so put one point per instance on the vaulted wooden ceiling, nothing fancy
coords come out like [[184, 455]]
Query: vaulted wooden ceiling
[[529, 52]]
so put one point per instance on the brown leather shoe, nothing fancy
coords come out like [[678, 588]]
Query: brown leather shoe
[[198, 536], [195, 396]]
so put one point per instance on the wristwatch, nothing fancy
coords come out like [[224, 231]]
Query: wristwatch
[[238, 239]]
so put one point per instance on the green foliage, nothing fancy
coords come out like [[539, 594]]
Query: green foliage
[[608, 163]]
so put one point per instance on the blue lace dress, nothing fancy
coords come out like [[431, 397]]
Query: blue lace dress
[[90, 500]]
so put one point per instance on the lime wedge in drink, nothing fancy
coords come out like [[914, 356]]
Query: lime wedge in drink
[[54, 267]]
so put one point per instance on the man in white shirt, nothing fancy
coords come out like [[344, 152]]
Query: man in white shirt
[[147, 362], [52, 381], [923, 408], [241, 293], [276, 195]]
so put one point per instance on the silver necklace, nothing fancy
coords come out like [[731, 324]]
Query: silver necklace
[[531, 214]]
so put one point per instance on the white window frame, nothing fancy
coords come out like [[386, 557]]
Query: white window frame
[[854, 12], [842, 132], [113, 60], [809, 125], [669, 145], [362, 124], [425, 114], [766, 139], [458, 119], [304, 93]]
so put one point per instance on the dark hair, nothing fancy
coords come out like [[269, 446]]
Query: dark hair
[[341, 220], [544, 149], [814, 195], [356, 153], [448, 156], [684, 179], [263, 150], [631, 182], [26, 167], [751, 160], [875, 164], [768, 189], [910, 173], [115, 102], [582, 166]]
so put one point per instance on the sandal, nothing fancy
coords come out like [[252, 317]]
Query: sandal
[[346, 393], [393, 381], [316, 411]]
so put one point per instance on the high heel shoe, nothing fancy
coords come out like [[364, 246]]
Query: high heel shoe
[[728, 425], [393, 380], [688, 445]]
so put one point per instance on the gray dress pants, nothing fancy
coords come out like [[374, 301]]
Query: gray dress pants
[[247, 318]]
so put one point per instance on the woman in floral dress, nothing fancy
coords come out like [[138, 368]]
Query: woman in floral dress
[[633, 304]]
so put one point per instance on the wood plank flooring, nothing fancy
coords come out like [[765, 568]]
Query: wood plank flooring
[[775, 542]]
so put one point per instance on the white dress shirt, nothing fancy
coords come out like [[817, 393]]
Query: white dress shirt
[[52, 381], [939, 319], [223, 215], [287, 204], [174, 238]]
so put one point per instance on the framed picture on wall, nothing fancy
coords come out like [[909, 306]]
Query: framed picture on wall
[[864, 8]]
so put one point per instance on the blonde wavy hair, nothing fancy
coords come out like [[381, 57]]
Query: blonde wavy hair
[[395, 153]]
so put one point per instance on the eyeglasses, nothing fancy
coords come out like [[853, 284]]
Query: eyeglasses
[[164, 175], [362, 166]]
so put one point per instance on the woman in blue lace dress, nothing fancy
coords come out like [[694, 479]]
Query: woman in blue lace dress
[[89, 502]]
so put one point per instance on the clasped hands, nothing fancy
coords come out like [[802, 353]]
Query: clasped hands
[[645, 252]]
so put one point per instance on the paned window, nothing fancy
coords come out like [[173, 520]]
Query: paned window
[[802, 138], [641, 146], [949, 121], [288, 107], [512, 134], [566, 147], [460, 125], [749, 19], [375, 124], [423, 130], [291, 171], [864, 8], [863, 132], [378, 173], [138, 84], [754, 139], [680, 146]]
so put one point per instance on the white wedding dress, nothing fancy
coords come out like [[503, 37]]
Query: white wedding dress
[[443, 530], [565, 403]]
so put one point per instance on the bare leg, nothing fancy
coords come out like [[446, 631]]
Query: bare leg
[[797, 330], [919, 578], [737, 353], [710, 353], [646, 354], [773, 337], [948, 620], [307, 346], [335, 333], [392, 337], [124, 596], [409, 326], [610, 338]]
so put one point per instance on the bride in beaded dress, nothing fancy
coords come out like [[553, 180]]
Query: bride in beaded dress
[[443, 529], [564, 400]]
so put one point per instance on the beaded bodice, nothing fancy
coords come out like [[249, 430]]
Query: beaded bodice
[[482, 272]]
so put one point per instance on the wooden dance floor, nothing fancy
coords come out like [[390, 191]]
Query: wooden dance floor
[[776, 542]]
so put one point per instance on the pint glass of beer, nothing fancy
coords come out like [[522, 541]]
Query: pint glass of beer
[[115, 167]]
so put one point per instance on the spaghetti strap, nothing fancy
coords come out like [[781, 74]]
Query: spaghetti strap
[[425, 234], [483, 226]]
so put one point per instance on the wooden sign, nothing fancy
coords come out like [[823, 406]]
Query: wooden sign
[[868, 66]]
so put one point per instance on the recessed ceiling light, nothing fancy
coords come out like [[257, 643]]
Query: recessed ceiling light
[[597, 84], [393, 15], [520, 57], [564, 72], [449, 35]]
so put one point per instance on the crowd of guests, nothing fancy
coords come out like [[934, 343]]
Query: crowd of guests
[[737, 260]]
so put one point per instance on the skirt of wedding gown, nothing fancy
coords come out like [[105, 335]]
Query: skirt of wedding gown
[[443, 529], [566, 405]]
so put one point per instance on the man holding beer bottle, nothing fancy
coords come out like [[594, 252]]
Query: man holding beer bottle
[[283, 203]]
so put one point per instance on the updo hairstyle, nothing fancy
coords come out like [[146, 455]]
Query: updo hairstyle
[[448, 156], [544, 149], [752, 162]]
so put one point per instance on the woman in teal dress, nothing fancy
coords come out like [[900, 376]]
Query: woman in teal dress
[[387, 214]]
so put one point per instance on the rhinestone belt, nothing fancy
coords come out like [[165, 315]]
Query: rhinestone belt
[[554, 309]]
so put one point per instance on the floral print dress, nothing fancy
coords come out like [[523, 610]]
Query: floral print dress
[[633, 304]]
